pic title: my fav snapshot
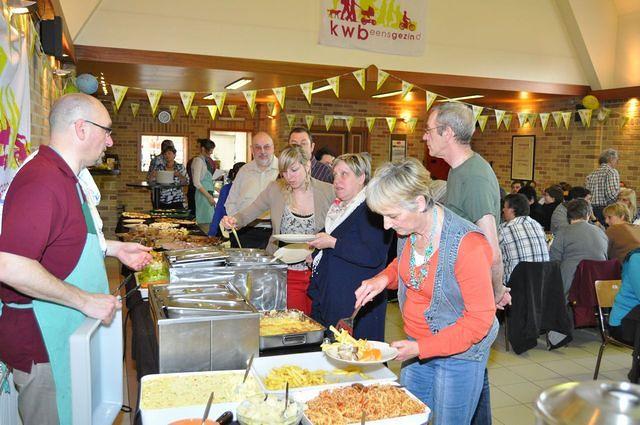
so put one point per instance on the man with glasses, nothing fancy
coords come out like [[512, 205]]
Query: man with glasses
[[52, 270], [250, 181]]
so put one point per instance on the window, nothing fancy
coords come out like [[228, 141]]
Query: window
[[231, 147], [150, 147]]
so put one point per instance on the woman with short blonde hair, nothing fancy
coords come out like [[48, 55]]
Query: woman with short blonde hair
[[623, 236], [628, 197]]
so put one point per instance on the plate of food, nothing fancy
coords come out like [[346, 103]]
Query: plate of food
[[294, 238], [133, 221], [133, 225], [349, 350], [132, 214]]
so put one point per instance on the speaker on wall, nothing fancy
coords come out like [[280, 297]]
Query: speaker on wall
[[51, 36]]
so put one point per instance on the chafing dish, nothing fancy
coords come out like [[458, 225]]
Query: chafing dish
[[292, 339]]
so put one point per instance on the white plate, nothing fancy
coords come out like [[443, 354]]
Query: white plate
[[388, 353], [133, 220], [294, 238], [293, 253], [133, 225]]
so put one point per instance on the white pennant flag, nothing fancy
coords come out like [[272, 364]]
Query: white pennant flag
[[334, 82], [360, 75], [544, 120], [118, 94], [250, 96], [154, 99], [532, 118], [566, 117], [430, 98], [280, 93], [382, 77], [507, 121], [213, 111], [219, 97], [477, 110], [499, 117], [406, 88], [522, 118], [557, 118], [307, 91], [585, 117]]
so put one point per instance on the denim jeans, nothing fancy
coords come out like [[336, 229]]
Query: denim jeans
[[483, 410], [449, 386]]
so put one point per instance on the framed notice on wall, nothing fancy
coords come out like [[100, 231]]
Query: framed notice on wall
[[523, 153], [398, 147]]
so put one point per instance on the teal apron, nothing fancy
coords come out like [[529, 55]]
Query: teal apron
[[58, 322], [204, 210]]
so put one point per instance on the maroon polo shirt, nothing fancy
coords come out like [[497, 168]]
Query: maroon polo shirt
[[42, 220]]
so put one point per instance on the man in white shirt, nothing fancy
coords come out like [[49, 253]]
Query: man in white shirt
[[252, 179]]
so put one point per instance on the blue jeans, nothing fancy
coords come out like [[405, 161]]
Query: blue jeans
[[483, 410], [450, 387]]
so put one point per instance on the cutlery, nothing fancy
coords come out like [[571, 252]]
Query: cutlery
[[207, 409], [246, 372], [286, 398], [235, 234], [347, 322]]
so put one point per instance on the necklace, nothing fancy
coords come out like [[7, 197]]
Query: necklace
[[428, 252]]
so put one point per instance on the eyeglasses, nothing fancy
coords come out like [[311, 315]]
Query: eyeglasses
[[107, 130], [427, 129]]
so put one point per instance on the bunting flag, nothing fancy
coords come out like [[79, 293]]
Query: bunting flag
[[557, 117], [187, 99], [250, 96], [603, 114], [411, 124], [391, 123], [406, 88], [585, 117], [522, 118], [544, 120], [280, 94], [328, 120], [232, 110], [154, 99], [271, 108], [382, 77], [477, 110], [507, 121], [118, 94], [291, 118], [482, 121], [532, 118], [306, 90], [213, 111], [430, 98], [370, 123], [334, 82], [624, 120], [309, 120], [113, 106], [219, 97], [499, 117], [135, 107], [360, 75], [566, 117], [174, 111], [194, 111], [349, 122]]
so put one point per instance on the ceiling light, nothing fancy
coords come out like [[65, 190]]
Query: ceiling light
[[62, 72], [455, 99], [387, 94], [321, 89], [209, 96], [524, 95], [238, 83], [19, 10]]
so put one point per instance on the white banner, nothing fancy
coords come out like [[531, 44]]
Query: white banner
[[394, 27]]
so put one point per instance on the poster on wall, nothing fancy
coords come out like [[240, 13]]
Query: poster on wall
[[523, 157], [395, 27], [398, 147]]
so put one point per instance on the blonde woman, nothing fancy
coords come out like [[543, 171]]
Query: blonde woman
[[297, 204], [623, 236], [628, 197]]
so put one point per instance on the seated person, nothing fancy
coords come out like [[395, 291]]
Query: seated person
[[626, 302], [516, 185], [521, 238], [623, 236], [559, 216], [553, 197], [535, 209], [628, 197], [579, 241]]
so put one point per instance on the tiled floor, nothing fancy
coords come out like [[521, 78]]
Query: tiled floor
[[516, 380]]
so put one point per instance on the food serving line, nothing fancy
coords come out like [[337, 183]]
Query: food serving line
[[195, 333]]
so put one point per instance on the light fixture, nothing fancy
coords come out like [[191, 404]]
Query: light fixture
[[62, 72], [238, 83], [209, 96], [321, 89], [387, 94], [455, 99], [19, 10], [524, 95]]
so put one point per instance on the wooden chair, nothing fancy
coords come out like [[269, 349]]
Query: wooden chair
[[606, 291]]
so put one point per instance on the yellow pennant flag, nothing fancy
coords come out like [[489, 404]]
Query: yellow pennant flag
[[477, 110], [349, 122], [306, 90], [154, 99], [624, 120], [174, 111], [328, 120], [135, 107], [522, 118], [370, 123], [360, 75], [334, 82], [291, 118], [213, 111], [557, 117], [187, 99], [391, 123], [232, 110], [482, 121], [118, 94], [499, 117], [280, 94], [411, 124], [544, 120], [566, 118], [113, 106], [250, 96], [309, 119], [585, 117], [194, 111], [382, 77], [532, 118], [430, 98], [406, 88], [507, 121], [271, 108], [603, 114], [219, 97]]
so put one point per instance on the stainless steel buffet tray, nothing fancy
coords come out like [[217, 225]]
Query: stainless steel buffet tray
[[293, 339]]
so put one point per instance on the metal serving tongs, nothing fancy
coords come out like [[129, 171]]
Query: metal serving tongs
[[207, 409]]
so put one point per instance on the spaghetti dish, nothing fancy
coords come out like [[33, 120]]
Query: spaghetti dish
[[286, 322], [344, 405]]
